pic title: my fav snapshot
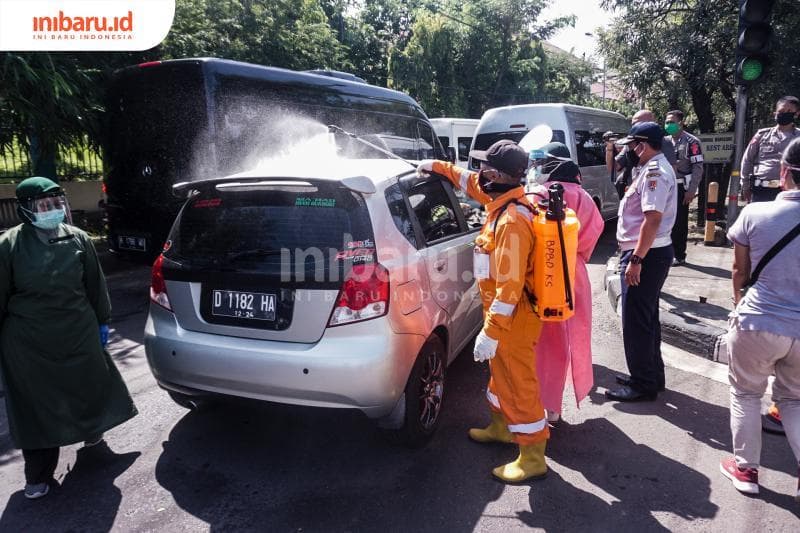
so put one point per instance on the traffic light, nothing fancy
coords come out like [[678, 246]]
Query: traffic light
[[754, 40]]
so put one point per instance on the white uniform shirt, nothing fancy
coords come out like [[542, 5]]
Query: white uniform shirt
[[653, 189]]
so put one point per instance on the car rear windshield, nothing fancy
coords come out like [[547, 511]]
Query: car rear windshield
[[300, 232]]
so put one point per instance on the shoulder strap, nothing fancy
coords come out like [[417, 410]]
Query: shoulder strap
[[780, 245], [501, 211]]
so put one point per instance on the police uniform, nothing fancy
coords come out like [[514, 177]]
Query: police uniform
[[761, 163], [653, 189], [689, 173]]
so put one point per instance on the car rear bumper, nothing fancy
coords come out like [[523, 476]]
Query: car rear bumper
[[363, 365]]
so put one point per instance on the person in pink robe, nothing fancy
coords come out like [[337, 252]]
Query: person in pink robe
[[566, 347]]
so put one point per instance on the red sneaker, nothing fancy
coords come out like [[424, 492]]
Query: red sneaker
[[744, 479]]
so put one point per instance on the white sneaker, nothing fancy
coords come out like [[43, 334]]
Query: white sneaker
[[38, 490]]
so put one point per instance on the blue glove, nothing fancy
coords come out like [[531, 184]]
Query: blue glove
[[103, 335]]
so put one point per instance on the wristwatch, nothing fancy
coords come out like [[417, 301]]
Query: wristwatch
[[636, 260]]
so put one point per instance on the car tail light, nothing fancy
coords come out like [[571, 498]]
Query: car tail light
[[104, 188], [149, 64], [158, 287], [364, 295]]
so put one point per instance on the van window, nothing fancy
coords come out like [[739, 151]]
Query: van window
[[427, 144], [485, 140], [590, 148], [434, 210], [463, 148]]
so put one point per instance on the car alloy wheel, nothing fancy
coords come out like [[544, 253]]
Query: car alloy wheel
[[431, 389]]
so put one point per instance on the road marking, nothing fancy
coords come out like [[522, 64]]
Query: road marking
[[676, 358], [695, 364]]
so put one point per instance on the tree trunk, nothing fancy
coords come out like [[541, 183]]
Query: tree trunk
[[701, 101], [43, 158]]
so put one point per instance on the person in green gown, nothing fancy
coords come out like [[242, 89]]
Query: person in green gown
[[61, 385]]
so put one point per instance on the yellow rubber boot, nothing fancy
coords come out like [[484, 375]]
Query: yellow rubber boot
[[496, 431], [530, 464]]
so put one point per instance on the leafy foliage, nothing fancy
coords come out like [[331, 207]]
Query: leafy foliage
[[465, 57], [680, 54]]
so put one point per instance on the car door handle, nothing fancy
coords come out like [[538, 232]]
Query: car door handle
[[439, 265]]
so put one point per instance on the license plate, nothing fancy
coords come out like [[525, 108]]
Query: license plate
[[132, 243], [240, 304]]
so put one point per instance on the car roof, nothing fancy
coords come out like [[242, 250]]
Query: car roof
[[377, 170]]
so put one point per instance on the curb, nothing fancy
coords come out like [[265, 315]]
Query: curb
[[700, 339]]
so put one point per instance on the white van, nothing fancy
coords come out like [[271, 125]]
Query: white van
[[580, 128], [456, 135]]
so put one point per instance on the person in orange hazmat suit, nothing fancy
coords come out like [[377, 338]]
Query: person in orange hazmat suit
[[503, 266]]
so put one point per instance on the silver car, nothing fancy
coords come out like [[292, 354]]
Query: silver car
[[347, 286]]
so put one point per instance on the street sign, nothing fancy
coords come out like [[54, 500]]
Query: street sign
[[717, 147]]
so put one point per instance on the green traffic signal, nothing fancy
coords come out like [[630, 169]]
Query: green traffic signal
[[750, 69]]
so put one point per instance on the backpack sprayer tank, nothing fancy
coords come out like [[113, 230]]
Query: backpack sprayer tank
[[555, 228]]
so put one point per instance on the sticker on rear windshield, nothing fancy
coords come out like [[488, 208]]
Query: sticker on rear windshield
[[357, 255], [210, 202], [315, 202], [366, 243]]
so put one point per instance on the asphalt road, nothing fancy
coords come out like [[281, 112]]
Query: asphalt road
[[248, 466]]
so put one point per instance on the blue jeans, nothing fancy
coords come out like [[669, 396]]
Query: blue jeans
[[641, 327]]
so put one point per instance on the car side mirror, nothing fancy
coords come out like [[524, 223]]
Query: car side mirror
[[451, 154]]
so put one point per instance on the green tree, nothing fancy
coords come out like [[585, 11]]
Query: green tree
[[464, 57], [680, 54], [291, 34], [54, 99]]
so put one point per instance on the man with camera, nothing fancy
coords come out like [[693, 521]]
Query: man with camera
[[625, 160]]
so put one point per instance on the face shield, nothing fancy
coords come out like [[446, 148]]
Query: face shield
[[46, 211], [542, 164]]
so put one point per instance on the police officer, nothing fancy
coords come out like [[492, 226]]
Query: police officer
[[761, 163], [646, 216], [688, 174]]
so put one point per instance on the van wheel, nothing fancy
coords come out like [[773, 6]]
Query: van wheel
[[193, 403], [424, 396]]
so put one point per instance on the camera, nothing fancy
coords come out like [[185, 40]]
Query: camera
[[610, 136]]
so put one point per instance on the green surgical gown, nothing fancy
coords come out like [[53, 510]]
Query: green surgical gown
[[61, 385]]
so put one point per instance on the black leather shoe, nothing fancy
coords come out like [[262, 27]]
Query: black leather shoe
[[622, 380], [627, 394]]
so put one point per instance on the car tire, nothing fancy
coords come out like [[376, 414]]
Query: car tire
[[424, 396], [193, 403]]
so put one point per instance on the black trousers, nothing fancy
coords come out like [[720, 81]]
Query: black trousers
[[40, 465], [764, 194], [641, 327], [680, 231]]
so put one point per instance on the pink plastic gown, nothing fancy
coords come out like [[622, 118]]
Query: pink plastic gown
[[568, 345]]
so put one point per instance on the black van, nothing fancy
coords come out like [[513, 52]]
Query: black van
[[187, 119]]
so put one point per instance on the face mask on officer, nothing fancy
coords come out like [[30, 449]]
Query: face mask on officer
[[784, 119], [672, 128], [639, 149], [632, 157]]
